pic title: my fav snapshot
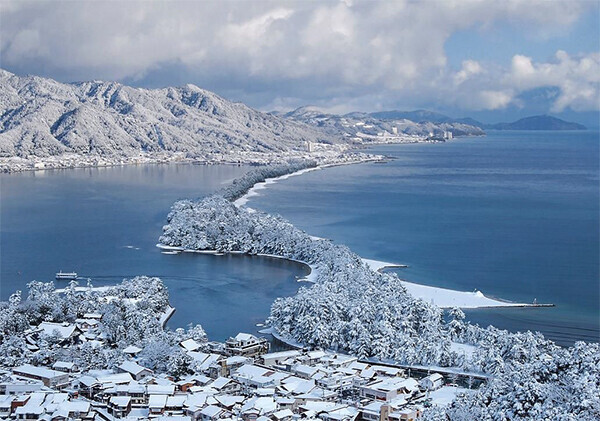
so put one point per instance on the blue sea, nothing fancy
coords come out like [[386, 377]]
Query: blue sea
[[104, 224], [513, 214]]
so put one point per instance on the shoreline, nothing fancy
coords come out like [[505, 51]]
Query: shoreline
[[72, 160], [252, 191], [441, 297]]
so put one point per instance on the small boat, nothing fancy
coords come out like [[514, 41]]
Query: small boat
[[66, 276]]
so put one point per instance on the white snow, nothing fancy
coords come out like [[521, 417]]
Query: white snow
[[274, 333], [448, 298], [379, 265], [260, 186], [445, 395], [442, 297]]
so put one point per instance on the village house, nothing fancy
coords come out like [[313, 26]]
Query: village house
[[50, 378], [432, 382], [137, 371], [119, 406], [225, 385], [157, 405], [213, 412], [246, 345], [64, 366], [67, 333], [132, 350], [387, 389]]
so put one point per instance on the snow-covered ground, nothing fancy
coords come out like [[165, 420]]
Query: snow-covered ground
[[443, 297], [378, 265], [260, 186], [448, 298], [446, 394]]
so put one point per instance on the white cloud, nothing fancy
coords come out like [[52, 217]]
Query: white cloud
[[469, 69], [578, 79], [330, 51]]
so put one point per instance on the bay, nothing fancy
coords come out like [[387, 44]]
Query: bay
[[104, 224], [513, 214]]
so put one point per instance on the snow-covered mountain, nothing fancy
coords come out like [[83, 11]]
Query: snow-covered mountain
[[368, 126], [41, 117]]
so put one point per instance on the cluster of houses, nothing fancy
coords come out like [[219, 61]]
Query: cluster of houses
[[85, 329], [237, 380]]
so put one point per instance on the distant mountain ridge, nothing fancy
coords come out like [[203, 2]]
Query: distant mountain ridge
[[538, 122], [41, 117], [373, 126]]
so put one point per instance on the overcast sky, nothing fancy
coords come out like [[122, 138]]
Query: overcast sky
[[464, 57]]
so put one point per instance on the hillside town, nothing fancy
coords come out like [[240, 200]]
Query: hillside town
[[238, 380]]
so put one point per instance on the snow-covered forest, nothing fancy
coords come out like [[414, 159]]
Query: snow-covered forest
[[131, 315], [241, 185], [353, 308]]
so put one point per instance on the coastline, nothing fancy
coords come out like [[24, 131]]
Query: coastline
[[252, 191], [441, 297]]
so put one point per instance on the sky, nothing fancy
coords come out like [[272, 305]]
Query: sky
[[492, 60]]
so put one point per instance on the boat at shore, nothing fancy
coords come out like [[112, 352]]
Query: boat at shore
[[66, 276]]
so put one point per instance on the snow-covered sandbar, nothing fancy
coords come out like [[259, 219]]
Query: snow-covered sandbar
[[443, 297], [253, 191]]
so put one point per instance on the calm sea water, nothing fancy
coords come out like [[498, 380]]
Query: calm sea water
[[104, 224], [513, 214]]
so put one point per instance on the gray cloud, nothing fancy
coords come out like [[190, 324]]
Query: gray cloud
[[339, 55]]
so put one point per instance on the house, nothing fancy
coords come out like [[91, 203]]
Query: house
[[14, 386], [157, 404], [87, 386], [432, 382], [229, 401], [75, 410], [407, 414], [277, 358], [6, 406], [388, 388], [66, 332], [119, 406], [87, 324], [132, 350], [225, 385], [64, 366], [258, 377], [213, 412], [246, 345], [174, 404], [286, 403], [137, 371], [161, 389], [29, 412], [50, 378], [190, 345], [258, 406], [282, 415]]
